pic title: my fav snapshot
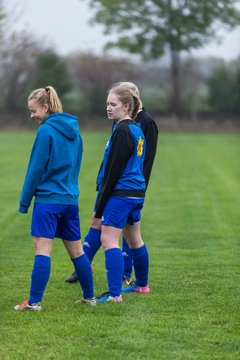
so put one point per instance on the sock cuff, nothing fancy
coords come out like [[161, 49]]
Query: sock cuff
[[83, 258], [42, 261], [77, 259], [139, 252], [113, 251], [94, 234]]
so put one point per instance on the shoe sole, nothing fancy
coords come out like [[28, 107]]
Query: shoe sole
[[137, 291], [86, 302], [142, 292], [110, 299], [28, 308], [114, 301]]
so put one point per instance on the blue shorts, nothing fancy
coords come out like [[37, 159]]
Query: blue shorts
[[120, 211], [56, 221]]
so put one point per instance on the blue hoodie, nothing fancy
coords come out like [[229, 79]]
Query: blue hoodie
[[54, 165]]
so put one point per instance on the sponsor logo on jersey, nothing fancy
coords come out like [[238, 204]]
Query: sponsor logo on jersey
[[140, 146]]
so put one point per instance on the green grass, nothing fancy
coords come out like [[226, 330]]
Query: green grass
[[191, 224]]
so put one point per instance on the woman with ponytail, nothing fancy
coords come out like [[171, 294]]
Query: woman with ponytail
[[150, 131], [121, 190], [92, 240], [52, 178]]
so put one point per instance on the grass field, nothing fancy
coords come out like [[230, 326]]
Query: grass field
[[191, 223]]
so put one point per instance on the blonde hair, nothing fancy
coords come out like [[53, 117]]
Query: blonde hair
[[131, 87], [126, 96], [49, 96]]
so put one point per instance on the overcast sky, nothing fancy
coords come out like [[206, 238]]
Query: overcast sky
[[65, 24]]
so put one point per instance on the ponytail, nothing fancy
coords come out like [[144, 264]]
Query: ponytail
[[49, 96], [55, 104], [136, 106], [127, 86]]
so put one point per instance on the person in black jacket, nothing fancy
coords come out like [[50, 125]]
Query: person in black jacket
[[150, 131], [92, 241], [121, 195]]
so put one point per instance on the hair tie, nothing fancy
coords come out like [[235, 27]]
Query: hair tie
[[46, 89]]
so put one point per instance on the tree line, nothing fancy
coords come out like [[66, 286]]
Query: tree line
[[205, 87]]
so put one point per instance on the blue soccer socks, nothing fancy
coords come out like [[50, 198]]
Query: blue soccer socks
[[127, 259], [114, 270], [92, 243], [40, 276], [141, 265], [84, 273]]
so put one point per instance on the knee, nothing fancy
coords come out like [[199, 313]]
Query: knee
[[136, 243], [109, 242], [43, 251], [76, 253], [75, 249], [105, 242], [43, 246]]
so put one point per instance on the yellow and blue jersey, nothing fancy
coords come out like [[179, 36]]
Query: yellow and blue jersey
[[122, 167]]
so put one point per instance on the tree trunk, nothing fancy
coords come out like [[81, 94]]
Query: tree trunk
[[175, 103]]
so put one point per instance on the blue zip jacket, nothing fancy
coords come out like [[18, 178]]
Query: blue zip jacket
[[54, 165]]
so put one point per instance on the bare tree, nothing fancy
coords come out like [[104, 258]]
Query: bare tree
[[93, 75], [17, 63]]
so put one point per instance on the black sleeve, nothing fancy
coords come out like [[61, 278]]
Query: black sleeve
[[121, 149], [151, 136], [97, 184]]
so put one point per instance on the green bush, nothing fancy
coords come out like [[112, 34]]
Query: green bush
[[224, 90]]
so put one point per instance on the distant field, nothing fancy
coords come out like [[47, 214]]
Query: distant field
[[191, 224]]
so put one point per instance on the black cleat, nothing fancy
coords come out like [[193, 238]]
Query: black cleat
[[72, 278]]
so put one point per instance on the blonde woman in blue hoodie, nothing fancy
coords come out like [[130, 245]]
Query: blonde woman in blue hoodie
[[52, 178]]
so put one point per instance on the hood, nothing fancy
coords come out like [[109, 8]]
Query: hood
[[65, 123]]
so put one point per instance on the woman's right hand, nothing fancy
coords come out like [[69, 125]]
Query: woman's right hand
[[96, 223]]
